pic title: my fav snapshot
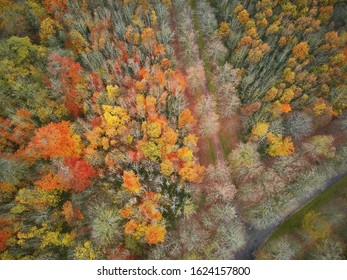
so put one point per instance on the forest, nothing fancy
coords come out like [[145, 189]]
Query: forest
[[173, 129]]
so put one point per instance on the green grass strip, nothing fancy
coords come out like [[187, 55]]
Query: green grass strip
[[293, 222]]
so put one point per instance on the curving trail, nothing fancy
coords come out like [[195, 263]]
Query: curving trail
[[259, 237]]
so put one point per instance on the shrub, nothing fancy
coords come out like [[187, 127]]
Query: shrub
[[283, 248], [320, 147], [315, 225], [328, 249]]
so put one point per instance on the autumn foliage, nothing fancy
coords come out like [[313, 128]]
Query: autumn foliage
[[55, 140], [155, 234], [50, 181], [77, 173], [68, 73], [279, 146], [128, 128], [131, 182]]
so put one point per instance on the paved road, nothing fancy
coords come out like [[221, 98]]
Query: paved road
[[258, 237]]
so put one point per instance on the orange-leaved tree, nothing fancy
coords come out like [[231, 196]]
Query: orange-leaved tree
[[54, 140]]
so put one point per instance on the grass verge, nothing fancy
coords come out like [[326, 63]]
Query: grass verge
[[334, 195]]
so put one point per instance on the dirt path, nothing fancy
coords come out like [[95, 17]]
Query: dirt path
[[255, 237], [178, 53], [206, 92], [215, 138]]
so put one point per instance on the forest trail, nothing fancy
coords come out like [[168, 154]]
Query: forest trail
[[255, 237], [192, 99], [178, 54], [258, 237], [226, 137]]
